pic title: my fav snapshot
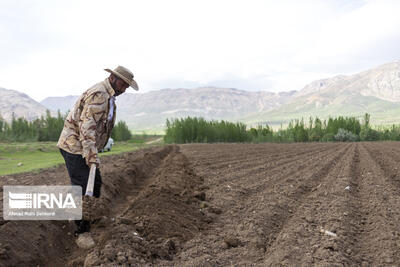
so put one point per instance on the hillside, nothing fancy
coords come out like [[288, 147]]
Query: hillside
[[19, 104], [149, 111], [376, 91], [61, 103]]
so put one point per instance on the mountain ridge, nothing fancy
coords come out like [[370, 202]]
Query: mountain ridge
[[14, 103], [208, 102], [375, 91]]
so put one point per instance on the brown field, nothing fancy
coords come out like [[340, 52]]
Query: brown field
[[227, 205]]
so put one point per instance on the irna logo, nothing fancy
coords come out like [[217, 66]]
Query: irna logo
[[41, 200]]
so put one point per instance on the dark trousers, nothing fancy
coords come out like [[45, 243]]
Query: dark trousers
[[79, 172]]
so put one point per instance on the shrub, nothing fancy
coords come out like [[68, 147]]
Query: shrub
[[345, 136]]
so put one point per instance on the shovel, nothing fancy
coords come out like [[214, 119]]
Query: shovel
[[90, 184]]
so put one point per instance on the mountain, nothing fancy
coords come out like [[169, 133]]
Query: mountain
[[375, 91], [210, 103], [61, 103], [149, 111], [382, 82], [19, 104]]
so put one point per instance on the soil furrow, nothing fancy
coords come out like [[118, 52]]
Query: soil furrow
[[380, 197], [272, 153], [387, 162], [269, 162], [299, 238], [269, 168], [291, 170], [261, 214], [353, 213]]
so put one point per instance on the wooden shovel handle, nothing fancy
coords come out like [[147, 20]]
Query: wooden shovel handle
[[90, 184]]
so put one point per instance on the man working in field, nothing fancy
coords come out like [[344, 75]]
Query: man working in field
[[87, 129]]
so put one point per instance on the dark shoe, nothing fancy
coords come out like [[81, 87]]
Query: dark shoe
[[82, 226]]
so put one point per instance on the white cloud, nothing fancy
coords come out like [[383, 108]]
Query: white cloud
[[53, 48]]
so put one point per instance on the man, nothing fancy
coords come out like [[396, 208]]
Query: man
[[87, 129]]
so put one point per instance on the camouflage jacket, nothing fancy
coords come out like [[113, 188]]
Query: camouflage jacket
[[86, 128]]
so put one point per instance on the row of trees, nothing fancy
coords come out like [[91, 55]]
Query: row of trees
[[21, 130], [198, 130], [47, 128], [316, 130], [191, 130], [333, 129]]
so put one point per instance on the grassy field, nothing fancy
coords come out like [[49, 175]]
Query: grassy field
[[24, 157]]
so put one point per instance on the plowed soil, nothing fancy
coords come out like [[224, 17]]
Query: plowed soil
[[330, 204]]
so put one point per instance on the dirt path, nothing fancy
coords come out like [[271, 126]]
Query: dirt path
[[329, 204], [158, 140]]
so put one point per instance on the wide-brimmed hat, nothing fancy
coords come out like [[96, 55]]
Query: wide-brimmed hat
[[125, 75]]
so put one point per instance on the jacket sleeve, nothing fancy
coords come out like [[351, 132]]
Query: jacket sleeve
[[94, 109]]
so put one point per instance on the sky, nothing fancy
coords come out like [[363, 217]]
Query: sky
[[59, 48]]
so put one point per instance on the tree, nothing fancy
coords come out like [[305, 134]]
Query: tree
[[367, 133], [121, 132]]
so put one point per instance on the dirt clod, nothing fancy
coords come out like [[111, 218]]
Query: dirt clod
[[85, 241], [122, 220], [203, 205], [215, 210], [232, 242], [92, 259]]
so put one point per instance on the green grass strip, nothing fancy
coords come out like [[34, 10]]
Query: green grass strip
[[27, 157]]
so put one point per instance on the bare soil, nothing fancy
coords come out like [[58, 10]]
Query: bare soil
[[329, 204]]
